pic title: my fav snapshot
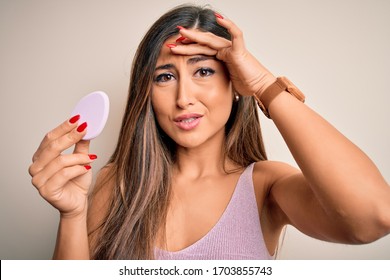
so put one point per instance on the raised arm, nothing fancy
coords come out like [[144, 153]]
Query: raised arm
[[340, 195], [350, 200]]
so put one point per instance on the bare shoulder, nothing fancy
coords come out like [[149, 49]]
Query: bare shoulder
[[267, 173], [268, 176], [289, 199], [99, 201]]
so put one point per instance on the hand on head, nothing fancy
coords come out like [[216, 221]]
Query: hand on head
[[247, 74]]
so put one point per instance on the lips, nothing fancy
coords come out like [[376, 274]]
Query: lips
[[188, 121]]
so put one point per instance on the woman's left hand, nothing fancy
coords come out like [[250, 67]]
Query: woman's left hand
[[247, 74]]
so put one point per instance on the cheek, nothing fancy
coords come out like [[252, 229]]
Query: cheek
[[222, 112], [160, 108], [219, 100], [161, 99], [162, 111]]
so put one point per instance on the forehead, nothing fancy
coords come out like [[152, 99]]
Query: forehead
[[166, 56], [165, 52], [167, 59], [171, 40]]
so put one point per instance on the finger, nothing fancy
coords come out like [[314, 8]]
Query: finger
[[61, 162], [82, 147], [57, 132], [193, 49], [205, 38], [235, 32], [183, 40], [54, 186], [54, 148]]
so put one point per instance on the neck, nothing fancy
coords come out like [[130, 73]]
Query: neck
[[204, 160], [199, 162]]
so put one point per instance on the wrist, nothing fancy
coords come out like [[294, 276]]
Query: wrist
[[281, 84], [266, 83], [74, 216]]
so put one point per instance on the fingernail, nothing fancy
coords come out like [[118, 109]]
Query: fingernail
[[180, 27], [88, 167], [82, 127], [92, 156], [178, 40], [74, 119], [171, 45], [218, 15]]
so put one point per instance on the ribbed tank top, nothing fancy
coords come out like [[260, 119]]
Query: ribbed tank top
[[236, 236]]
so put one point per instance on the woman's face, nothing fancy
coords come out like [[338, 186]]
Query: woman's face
[[192, 97]]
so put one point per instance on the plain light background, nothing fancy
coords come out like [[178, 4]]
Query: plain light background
[[54, 52]]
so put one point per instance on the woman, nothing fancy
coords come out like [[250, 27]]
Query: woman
[[189, 178]]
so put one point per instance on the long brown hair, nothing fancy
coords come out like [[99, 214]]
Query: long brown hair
[[142, 161]]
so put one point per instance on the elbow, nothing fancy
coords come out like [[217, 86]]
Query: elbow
[[371, 219], [371, 229]]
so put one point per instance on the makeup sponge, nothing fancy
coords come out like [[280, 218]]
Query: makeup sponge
[[93, 109]]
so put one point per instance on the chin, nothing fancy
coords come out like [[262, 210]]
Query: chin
[[188, 144]]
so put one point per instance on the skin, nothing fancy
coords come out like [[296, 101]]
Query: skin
[[191, 84], [63, 181], [194, 84], [337, 195]]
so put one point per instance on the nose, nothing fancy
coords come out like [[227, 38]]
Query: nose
[[185, 94]]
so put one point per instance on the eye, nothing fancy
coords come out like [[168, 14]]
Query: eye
[[163, 78], [204, 72]]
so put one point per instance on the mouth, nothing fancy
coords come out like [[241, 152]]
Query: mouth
[[188, 121]]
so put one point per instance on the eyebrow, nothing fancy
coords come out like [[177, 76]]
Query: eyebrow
[[191, 61], [199, 58], [165, 66]]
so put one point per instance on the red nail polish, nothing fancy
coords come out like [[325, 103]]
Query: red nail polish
[[88, 167], [180, 27], [92, 156], [218, 15], [74, 119], [171, 45], [178, 40], [82, 127]]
